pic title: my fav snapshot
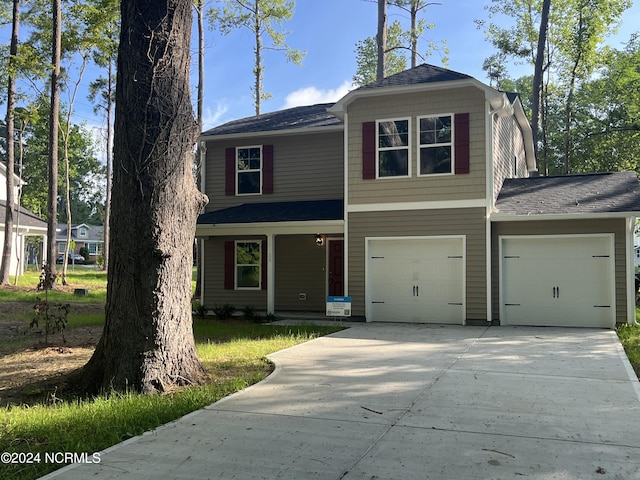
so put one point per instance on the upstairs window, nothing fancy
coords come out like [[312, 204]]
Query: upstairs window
[[82, 232], [393, 148], [436, 153], [248, 265], [249, 170]]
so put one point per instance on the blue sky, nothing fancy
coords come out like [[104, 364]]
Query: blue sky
[[328, 31]]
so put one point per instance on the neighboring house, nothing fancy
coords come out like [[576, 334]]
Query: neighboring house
[[25, 224], [418, 197], [86, 236]]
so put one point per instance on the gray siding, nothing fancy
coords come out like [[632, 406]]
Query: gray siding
[[508, 152], [468, 221], [305, 167], [425, 188], [565, 227], [300, 268]]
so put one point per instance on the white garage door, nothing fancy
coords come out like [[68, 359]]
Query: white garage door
[[416, 280], [557, 281]]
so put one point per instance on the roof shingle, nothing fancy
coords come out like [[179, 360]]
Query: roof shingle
[[614, 192], [275, 212]]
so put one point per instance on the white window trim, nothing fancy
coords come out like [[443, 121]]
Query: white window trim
[[82, 231], [378, 149], [238, 171], [235, 265], [453, 143]]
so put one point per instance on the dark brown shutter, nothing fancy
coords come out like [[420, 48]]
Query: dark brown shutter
[[263, 266], [230, 171], [267, 169], [461, 132], [368, 150], [229, 264]]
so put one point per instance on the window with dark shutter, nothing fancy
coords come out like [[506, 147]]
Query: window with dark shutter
[[461, 133], [369, 150], [230, 171]]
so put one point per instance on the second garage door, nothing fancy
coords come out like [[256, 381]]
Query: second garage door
[[416, 280], [557, 281]]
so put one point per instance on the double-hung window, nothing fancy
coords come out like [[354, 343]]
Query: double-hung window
[[393, 148], [248, 264], [435, 135], [249, 170]]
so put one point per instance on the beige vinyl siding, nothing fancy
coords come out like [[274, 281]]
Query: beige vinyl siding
[[565, 227], [214, 292], [300, 268], [508, 144], [305, 167], [426, 188], [469, 222]]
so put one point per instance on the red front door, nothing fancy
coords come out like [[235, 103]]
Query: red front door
[[336, 268]]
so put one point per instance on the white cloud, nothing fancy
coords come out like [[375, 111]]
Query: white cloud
[[213, 117], [313, 95]]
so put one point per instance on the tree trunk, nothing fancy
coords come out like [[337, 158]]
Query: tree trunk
[[54, 128], [107, 202], [200, 151], [258, 66], [381, 71], [414, 34], [5, 266], [147, 344], [537, 75]]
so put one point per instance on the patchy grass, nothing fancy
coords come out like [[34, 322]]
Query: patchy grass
[[630, 338], [25, 291], [233, 353]]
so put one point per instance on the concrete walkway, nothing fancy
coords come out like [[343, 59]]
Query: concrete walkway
[[395, 401]]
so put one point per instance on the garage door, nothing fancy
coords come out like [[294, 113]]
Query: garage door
[[557, 281], [416, 280]]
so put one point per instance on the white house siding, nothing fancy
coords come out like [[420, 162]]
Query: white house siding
[[305, 167], [565, 227], [508, 152], [418, 189], [469, 222]]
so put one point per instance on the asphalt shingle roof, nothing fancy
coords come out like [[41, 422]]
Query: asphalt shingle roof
[[615, 192], [424, 73], [276, 212], [297, 117], [27, 217]]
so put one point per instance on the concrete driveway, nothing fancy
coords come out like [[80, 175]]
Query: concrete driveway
[[395, 401]]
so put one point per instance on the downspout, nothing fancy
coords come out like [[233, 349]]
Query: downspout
[[203, 188], [631, 292], [345, 203]]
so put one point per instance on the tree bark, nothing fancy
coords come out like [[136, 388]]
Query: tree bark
[[7, 246], [381, 71], [537, 75], [147, 344]]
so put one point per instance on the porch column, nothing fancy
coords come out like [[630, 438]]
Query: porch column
[[271, 273]]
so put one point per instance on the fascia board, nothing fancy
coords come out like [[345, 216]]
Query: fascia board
[[276, 228], [271, 133], [509, 217]]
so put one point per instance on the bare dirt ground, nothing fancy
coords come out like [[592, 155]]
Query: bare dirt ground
[[31, 369]]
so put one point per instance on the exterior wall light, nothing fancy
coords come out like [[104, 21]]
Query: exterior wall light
[[319, 240]]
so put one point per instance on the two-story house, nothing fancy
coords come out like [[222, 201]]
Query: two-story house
[[25, 224], [418, 197], [83, 235]]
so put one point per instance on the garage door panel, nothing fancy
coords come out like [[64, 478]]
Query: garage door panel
[[559, 281], [416, 280]]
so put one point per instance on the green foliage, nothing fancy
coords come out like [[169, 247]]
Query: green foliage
[[54, 317], [224, 312], [251, 314], [265, 19], [630, 338], [367, 55], [233, 353]]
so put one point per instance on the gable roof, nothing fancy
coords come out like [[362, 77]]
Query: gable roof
[[95, 233], [28, 219], [310, 116], [594, 193], [311, 210], [424, 73]]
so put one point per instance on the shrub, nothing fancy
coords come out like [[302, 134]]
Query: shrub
[[251, 314], [224, 312]]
